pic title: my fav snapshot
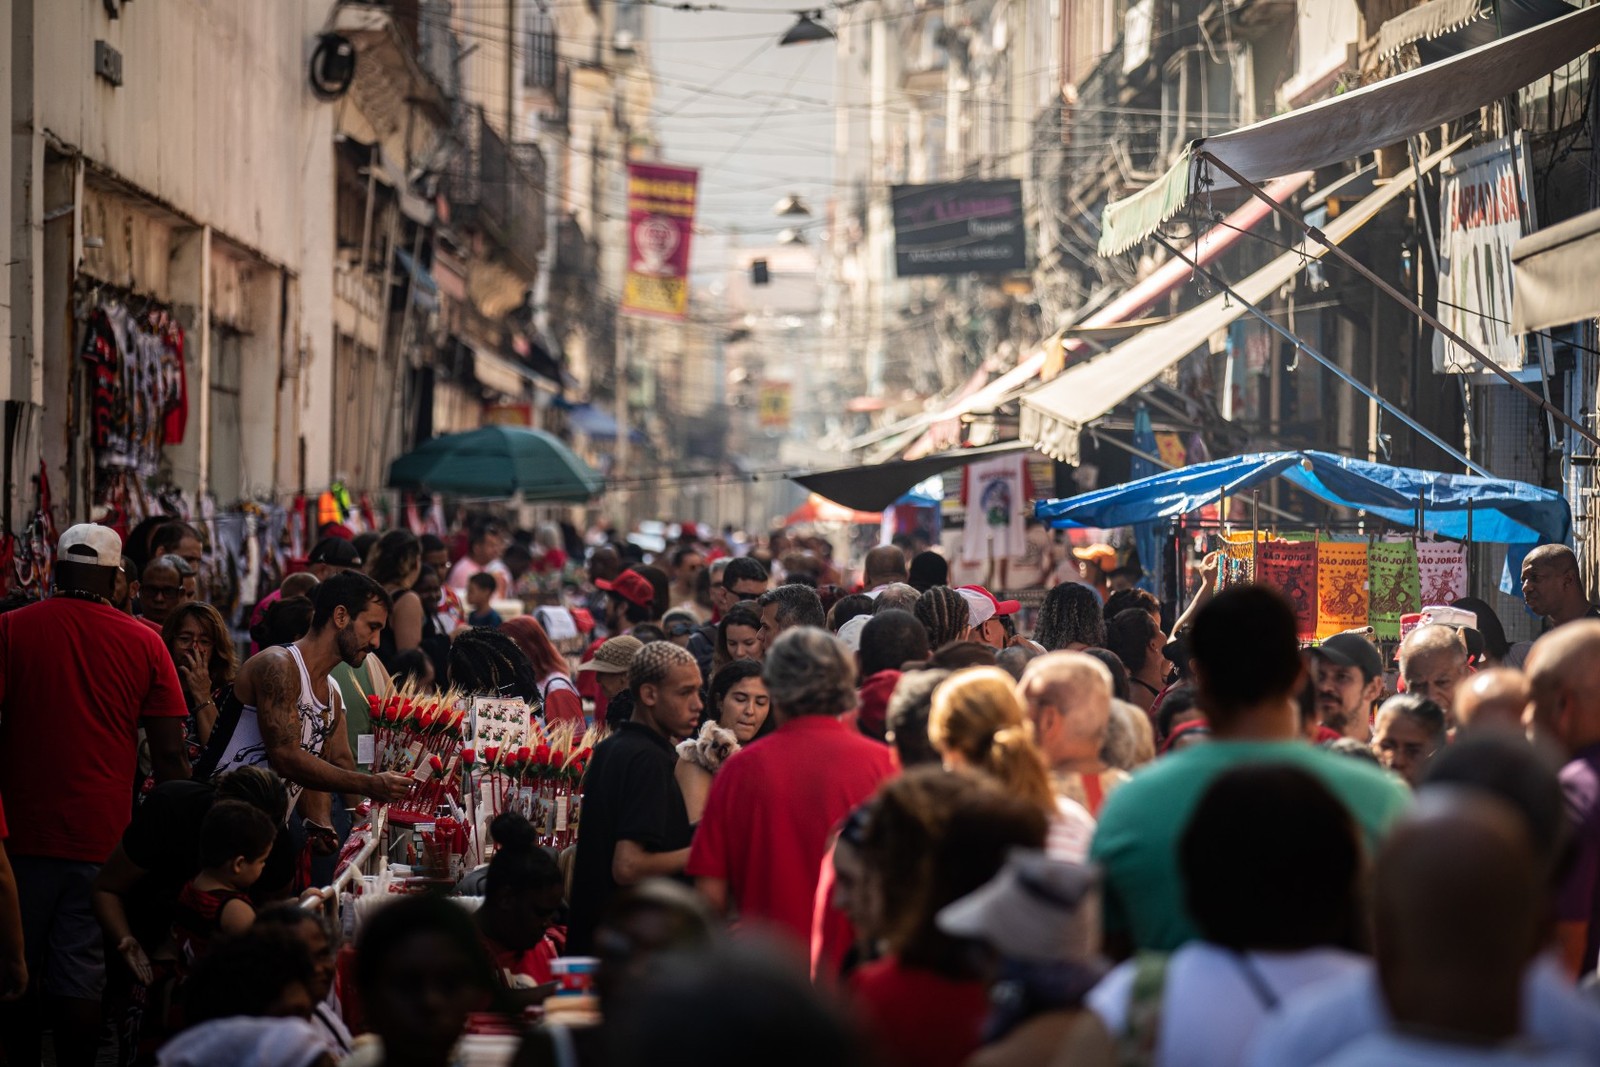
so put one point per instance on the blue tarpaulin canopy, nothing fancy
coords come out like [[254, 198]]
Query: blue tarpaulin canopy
[[1502, 511]]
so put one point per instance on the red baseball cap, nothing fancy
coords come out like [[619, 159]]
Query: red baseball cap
[[631, 586], [1001, 607]]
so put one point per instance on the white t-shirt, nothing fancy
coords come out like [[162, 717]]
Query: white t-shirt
[[1070, 832], [1395, 1050], [1210, 1008], [1317, 1023]]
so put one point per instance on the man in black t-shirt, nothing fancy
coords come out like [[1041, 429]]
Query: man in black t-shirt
[[634, 824]]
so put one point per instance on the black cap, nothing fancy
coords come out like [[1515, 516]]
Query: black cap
[[335, 552], [1351, 650]]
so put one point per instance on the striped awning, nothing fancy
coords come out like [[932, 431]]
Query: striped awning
[[1427, 21]]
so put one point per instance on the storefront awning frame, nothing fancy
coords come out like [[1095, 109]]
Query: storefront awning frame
[[1055, 414], [1554, 271], [1352, 125]]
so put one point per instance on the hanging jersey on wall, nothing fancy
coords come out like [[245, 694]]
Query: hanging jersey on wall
[[998, 495]]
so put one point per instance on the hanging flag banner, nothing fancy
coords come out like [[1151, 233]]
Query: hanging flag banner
[[959, 228], [774, 402], [1483, 211], [660, 225]]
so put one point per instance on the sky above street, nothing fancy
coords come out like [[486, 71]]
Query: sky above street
[[754, 117]]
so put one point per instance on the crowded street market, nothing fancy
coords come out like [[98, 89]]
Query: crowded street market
[[639, 533]]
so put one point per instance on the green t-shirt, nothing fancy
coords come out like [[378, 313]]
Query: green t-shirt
[[1136, 842], [355, 685]]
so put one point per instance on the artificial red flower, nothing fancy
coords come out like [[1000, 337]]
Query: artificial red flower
[[469, 756]]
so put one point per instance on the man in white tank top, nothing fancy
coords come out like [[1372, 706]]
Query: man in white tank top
[[286, 715]]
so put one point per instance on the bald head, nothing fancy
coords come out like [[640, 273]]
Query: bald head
[[1564, 678], [1552, 585], [1494, 699], [1460, 861], [1433, 661], [1558, 559], [884, 565]]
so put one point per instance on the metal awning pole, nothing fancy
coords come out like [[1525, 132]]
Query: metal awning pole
[[1134, 450], [1338, 371], [1404, 301]]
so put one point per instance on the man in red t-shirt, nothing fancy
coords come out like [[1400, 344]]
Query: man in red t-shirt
[[78, 679], [13, 965], [772, 807]]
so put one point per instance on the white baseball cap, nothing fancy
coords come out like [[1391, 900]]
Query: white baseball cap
[[980, 608], [90, 544], [850, 632]]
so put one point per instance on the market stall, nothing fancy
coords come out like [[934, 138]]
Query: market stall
[[1335, 580], [471, 758]]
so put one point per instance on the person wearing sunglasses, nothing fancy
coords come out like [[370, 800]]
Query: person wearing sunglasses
[[679, 626]]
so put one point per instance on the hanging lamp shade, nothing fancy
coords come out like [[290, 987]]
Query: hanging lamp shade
[[807, 29], [792, 206]]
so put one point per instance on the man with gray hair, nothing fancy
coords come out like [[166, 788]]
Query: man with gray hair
[[896, 597], [789, 606], [1433, 661], [772, 807], [635, 825], [1068, 697]]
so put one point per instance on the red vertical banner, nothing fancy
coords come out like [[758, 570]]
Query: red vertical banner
[[660, 226]]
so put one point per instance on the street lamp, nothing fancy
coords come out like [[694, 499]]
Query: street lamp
[[791, 206], [807, 29], [791, 236]]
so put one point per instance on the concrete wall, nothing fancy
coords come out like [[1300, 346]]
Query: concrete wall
[[205, 179], [210, 116]]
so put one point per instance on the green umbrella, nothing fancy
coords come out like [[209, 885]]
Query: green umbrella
[[499, 462]]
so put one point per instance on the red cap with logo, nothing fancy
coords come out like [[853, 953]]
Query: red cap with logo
[[631, 586]]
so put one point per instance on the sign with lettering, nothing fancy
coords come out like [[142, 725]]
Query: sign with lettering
[[1483, 210], [959, 228]]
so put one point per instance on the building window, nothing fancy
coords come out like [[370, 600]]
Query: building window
[[227, 452], [540, 71]]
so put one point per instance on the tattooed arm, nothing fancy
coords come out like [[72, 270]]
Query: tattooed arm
[[276, 688]]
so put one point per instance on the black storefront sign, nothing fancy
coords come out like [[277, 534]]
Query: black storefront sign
[[959, 228]]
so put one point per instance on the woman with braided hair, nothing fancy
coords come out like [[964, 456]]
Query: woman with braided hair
[[978, 723], [943, 612], [485, 662]]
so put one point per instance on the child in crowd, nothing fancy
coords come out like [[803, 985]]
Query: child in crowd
[[480, 591], [234, 841]]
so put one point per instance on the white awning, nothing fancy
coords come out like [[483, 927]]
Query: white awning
[[1055, 414], [1553, 274], [1355, 123], [1429, 20], [1134, 301]]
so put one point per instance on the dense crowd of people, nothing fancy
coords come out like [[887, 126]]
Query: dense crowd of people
[[831, 817]]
